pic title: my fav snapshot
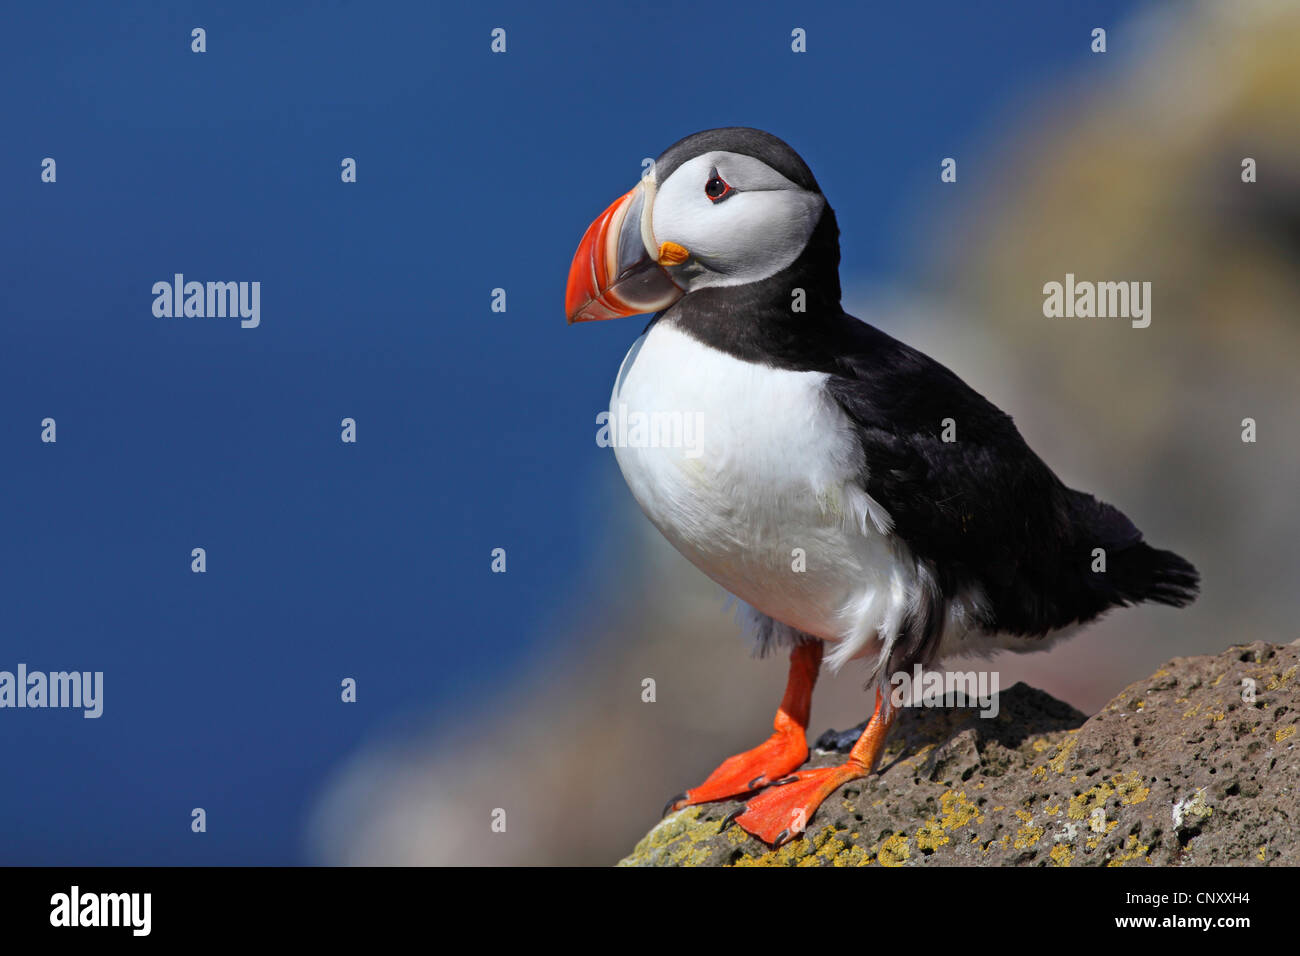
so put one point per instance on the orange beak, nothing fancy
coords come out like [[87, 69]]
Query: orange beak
[[614, 272]]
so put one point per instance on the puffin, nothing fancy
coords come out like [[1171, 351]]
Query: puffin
[[857, 498]]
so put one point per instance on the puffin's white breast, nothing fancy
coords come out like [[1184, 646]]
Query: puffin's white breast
[[754, 474]]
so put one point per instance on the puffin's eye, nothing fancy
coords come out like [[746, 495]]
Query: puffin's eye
[[717, 188]]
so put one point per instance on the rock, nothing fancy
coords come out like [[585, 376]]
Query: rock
[[1186, 767]]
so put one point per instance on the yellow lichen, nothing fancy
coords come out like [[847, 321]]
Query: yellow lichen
[[1057, 763], [677, 840], [1027, 835], [831, 850], [1281, 680], [1132, 851], [957, 810], [1130, 789], [852, 855], [1283, 733], [931, 836], [894, 851], [1082, 805], [789, 855], [1062, 854]]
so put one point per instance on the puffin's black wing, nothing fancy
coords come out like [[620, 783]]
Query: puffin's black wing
[[983, 509]]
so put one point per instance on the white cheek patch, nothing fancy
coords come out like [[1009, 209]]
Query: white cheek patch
[[749, 236], [765, 232]]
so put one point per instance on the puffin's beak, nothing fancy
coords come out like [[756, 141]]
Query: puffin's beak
[[614, 272]]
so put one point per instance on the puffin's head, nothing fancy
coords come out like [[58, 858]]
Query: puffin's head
[[724, 207]]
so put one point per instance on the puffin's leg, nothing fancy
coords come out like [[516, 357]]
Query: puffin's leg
[[775, 757], [780, 813]]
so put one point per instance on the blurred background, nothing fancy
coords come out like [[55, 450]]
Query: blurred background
[[522, 691]]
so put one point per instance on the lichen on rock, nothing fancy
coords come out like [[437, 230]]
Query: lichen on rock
[[1199, 764]]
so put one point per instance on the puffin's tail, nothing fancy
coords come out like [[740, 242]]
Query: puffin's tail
[[1144, 573], [1136, 572]]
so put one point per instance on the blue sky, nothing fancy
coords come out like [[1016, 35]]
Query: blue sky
[[325, 560]]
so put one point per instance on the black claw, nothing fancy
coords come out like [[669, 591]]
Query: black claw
[[730, 819], [753, 784], [668, 807], [781, 838], [784, 780]]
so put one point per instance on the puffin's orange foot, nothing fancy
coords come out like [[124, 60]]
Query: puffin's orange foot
[[770, 760], [782, 811], [775, 757]]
